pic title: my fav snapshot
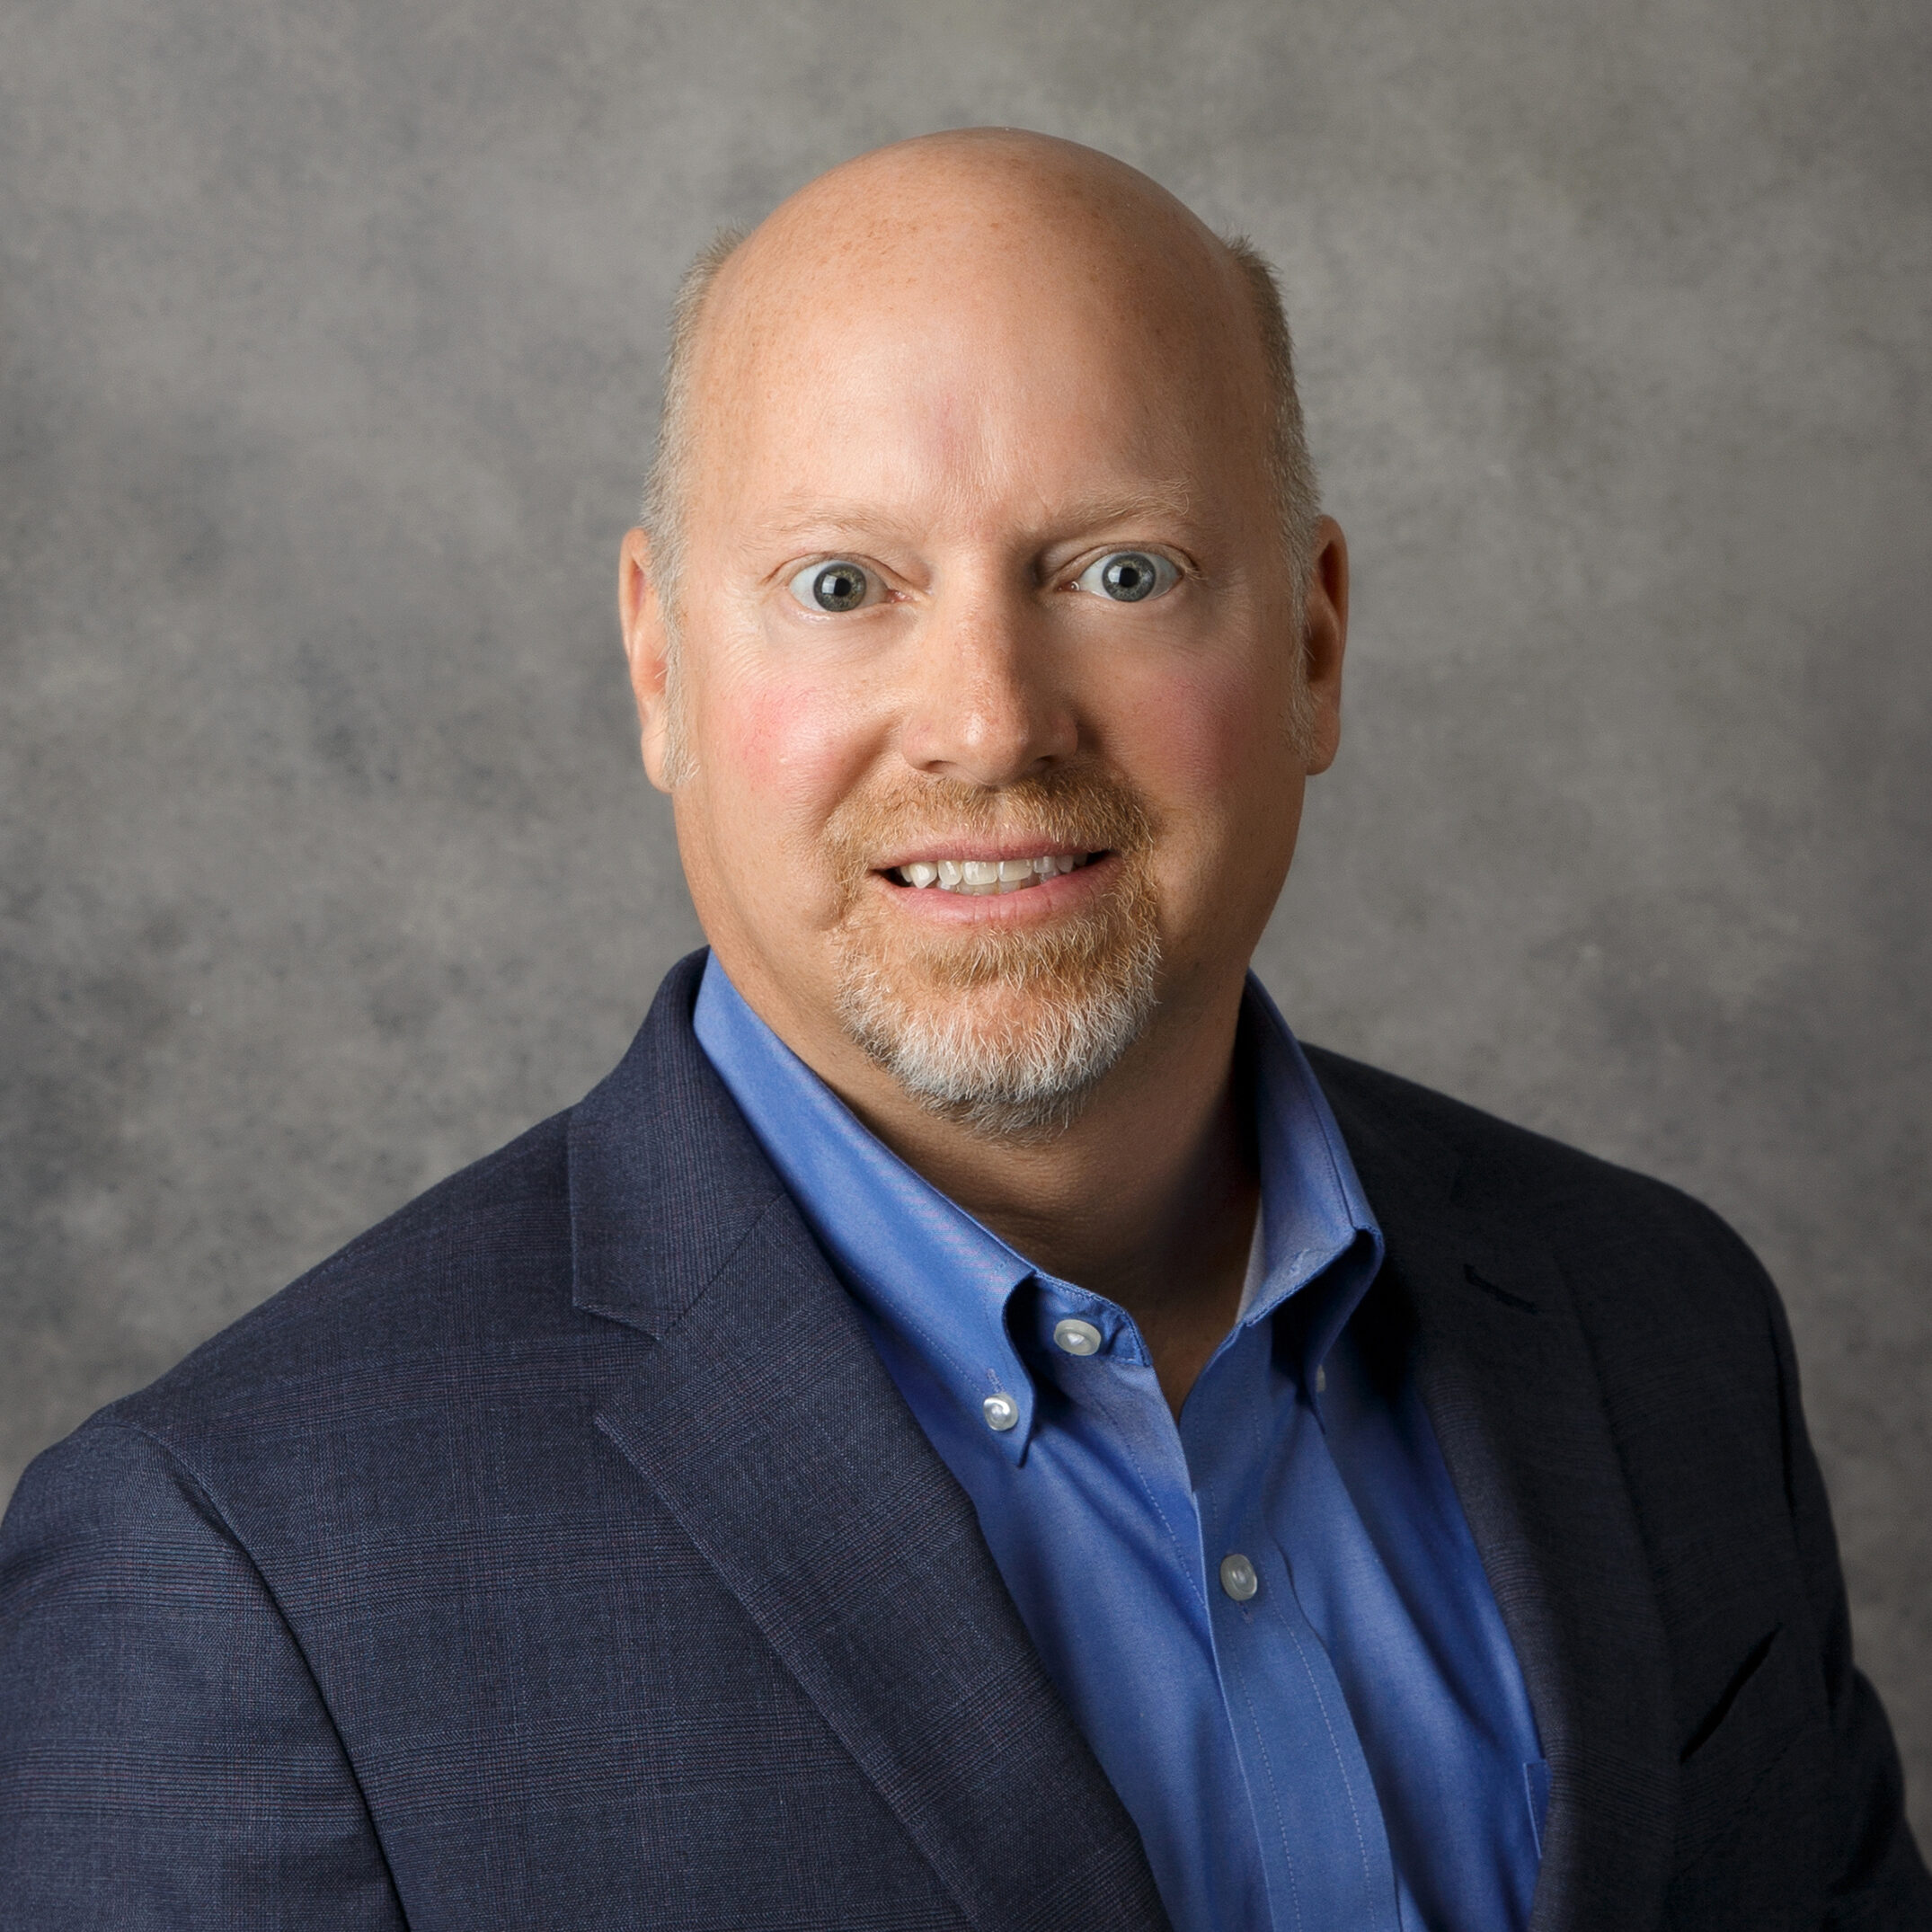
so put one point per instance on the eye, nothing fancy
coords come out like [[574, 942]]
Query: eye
[[1128, 576], [835, 585]]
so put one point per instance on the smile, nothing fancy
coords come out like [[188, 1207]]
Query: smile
[[979, 877]]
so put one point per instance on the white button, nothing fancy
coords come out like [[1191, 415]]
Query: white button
[[1001, 1412], [1321, 1381], [1077, 1338], [1238, 1578]]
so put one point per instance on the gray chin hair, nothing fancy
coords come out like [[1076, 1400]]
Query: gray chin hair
[[1030, 1081]]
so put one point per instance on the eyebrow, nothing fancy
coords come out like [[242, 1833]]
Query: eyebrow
[[798, 515]]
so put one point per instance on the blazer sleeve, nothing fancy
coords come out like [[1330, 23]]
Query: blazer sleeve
[[1882, 1883], [166, 1759]]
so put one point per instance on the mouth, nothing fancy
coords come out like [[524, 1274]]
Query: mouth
[[987, 877]]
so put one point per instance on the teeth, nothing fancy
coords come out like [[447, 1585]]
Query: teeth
[[976, 878]]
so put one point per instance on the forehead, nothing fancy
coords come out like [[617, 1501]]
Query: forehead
[[977, 355]]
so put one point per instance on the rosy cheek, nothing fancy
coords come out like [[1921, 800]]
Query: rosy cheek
[[1189, 731], [791, 748]]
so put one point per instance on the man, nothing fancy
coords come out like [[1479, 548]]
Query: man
[[970, 1425]]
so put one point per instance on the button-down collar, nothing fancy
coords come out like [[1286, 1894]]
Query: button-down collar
[[923, 1265]]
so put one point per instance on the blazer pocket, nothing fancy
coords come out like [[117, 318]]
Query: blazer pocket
[[1766, 1708], [1713, 1720]]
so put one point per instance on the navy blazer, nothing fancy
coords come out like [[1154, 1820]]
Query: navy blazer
[[559, 1554]]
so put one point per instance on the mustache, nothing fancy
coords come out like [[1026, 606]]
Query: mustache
[[1085, 807]]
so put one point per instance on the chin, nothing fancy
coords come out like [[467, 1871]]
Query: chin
[[1008, 1034]]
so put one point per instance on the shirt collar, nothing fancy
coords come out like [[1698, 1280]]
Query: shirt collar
[[927, 1269], [1314, 1213]]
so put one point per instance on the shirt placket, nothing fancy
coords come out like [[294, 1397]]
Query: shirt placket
[[1318, 1827], [1117, 1396]]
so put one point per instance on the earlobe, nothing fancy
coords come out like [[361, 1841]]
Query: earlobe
[[654, 743]]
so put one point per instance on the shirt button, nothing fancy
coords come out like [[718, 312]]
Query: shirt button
[[1001, 1412], [1077, 1337], [1238, 1578]]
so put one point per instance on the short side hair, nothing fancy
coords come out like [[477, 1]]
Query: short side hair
[[662, 516], [1291, 470], [663, 512]]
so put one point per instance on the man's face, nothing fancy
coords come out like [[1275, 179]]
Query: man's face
[[986, 649]]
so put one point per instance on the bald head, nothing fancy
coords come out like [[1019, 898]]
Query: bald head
[[906, 253]]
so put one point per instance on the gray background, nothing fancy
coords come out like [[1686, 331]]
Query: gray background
[[331, 334]]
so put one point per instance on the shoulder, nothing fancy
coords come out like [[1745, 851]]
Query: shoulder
[[380, 1418], [476, 1271], [1656, 1277], [454, 1328], [1487, 1166], [480, 1247], [485, 1249]]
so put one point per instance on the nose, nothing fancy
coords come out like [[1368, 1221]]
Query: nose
[[986, 703]]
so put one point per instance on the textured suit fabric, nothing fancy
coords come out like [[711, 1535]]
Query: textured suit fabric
[[560, 1555]]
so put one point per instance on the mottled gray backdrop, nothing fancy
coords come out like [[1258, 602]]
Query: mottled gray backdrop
[[329, 337]]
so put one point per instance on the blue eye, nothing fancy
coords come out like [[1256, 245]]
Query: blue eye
[[837, 585], [1128, 576]]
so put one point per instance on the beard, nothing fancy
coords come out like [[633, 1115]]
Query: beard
[[1006, 1032]]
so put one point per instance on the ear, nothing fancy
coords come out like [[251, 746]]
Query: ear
[[646, 644], [1324, 635]]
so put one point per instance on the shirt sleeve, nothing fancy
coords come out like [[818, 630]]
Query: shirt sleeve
[[166, 1757]]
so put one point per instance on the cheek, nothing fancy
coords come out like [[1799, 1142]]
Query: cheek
[[783, 751], [1203, 740], [1207, 744]]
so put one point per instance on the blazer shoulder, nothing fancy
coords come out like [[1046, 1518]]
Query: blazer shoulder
[[459, 1303], [1490, 1165], [482, 1255]]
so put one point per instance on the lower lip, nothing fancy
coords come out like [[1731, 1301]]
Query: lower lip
[[1060, 893]]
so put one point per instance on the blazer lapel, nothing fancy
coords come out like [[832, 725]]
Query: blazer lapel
[[767, 1423], [1506, 1374]]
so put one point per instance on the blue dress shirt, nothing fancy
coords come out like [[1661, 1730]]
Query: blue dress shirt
[[1270, 1620]]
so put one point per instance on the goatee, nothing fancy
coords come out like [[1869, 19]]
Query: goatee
[[1010, 1030]]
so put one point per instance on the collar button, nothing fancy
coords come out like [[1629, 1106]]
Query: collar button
[[1077, 1337]]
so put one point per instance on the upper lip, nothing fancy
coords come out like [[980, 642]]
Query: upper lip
[[977, 846]]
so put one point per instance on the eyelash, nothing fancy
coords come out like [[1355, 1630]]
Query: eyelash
[[875, 578]]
